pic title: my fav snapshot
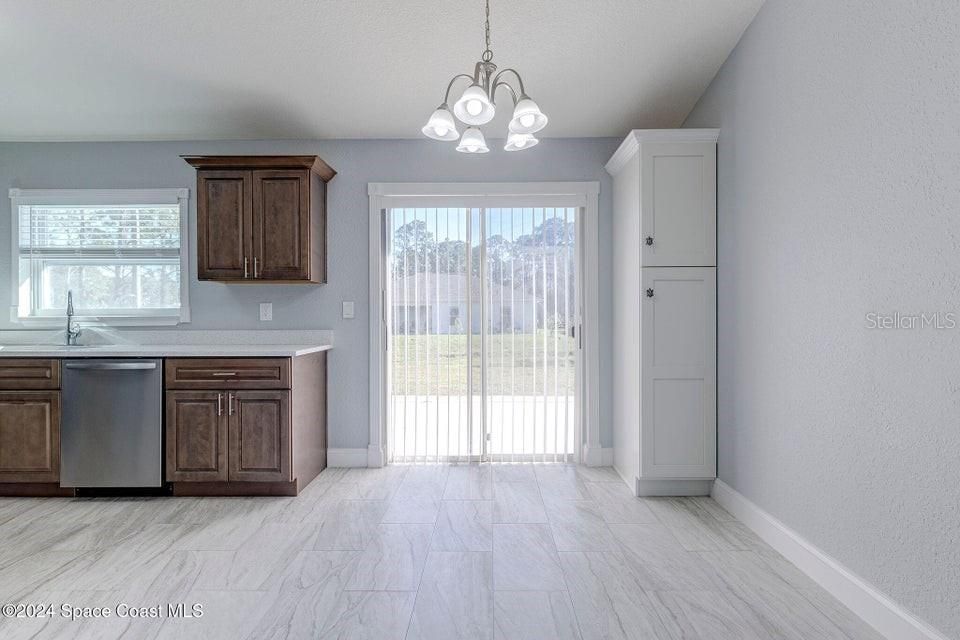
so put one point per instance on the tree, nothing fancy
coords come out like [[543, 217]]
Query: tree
[[414, 249], [452, 256]]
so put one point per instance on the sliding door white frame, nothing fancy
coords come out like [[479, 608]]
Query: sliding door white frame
[[385, 195]]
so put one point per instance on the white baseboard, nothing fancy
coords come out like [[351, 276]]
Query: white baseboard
[[670, 487], [375, 457], [598, 456], [861, 597], [347, 457]]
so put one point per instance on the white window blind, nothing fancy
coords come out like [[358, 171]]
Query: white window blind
[[116, 229], [121, 255]]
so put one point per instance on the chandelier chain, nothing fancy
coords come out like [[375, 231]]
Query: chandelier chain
[[487, 54]]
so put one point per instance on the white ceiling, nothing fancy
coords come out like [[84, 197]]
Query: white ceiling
[[243, 69]]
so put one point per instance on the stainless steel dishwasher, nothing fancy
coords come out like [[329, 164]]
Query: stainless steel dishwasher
[[111, 424]]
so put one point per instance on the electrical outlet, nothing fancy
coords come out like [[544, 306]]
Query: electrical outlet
[[266, 311], [347, 308]]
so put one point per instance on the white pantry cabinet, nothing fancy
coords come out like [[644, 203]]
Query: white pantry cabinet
[[664, 324]]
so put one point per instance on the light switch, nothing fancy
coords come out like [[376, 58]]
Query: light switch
[[266, 311], [348, 308]]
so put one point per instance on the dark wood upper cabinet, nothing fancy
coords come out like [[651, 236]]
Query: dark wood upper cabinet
[[281, 239], [261, 218], [224, 224]]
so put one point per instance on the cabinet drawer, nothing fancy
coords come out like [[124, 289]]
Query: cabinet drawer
[[227, 373], [28, 373]]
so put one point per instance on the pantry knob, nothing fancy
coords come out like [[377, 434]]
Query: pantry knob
[[649, 293], [649, 241]]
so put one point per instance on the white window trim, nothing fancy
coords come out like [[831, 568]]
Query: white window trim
[[584, 194], [180, 197]]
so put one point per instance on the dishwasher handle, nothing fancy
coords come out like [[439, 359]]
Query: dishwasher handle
[[112, 366]]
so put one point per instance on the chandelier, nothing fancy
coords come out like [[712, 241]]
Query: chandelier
[[475, 107]]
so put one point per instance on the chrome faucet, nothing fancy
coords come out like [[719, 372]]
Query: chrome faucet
[[73, 330]]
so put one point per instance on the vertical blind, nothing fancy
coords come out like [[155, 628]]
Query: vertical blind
[[482, 303]]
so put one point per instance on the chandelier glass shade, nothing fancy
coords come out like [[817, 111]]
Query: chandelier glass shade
[[475, 107], [441, 126], [519, 141], [472, 142], [527, 117]]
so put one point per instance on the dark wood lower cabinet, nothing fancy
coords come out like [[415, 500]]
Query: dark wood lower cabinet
[[261, 429], [259, 436], [246, 441], [29, 436], [197, 432]]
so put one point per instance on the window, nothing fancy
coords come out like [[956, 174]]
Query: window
[[123, 254]]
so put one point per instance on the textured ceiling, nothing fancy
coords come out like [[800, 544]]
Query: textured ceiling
[[212, 69]]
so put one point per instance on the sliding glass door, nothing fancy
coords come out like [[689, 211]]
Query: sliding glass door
[[483, 311]]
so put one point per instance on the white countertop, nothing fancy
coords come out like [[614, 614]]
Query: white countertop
[[105, 343], [162, 351]]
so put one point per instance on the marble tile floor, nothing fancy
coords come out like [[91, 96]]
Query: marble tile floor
[[434, 552]]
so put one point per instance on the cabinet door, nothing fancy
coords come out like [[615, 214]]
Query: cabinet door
[[196, 436], [259, 436], [224, 223], [281, 224], [678, 373], [29, 436], [678, 201]]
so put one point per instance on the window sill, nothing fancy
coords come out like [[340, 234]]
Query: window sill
[[55, 322]]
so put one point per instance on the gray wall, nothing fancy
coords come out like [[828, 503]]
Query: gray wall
[[219, 306], [839, 195]]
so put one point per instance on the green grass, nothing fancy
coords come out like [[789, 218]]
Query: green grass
[[515, 364]]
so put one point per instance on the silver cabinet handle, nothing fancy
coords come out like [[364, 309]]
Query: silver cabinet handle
[[254, 266], [220, 374], [219, 404], [245, 262], [112, 366], [230, 404]]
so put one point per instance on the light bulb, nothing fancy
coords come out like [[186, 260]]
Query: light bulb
[[527, 119], [474, 107], [440, 131], [520, 143], [472, 149]]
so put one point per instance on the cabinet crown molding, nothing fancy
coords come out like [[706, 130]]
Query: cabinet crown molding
[[631, 144], [313, 163]]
